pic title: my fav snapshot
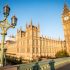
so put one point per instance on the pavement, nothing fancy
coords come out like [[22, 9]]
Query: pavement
[[64, 67], [9, 68]]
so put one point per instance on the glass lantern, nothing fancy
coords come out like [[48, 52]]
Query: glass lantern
[[14, 20], [6, 10]]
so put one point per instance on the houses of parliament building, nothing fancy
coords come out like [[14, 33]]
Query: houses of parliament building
[[30, 45]]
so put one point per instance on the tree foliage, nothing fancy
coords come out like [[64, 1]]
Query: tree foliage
[[61, 53], [13, 60]]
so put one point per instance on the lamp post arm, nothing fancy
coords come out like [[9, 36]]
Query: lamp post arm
[[3, 19], [5, 25], [0, 25], [9, 26]]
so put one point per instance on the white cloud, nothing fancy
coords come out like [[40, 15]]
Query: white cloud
[[9, 38]]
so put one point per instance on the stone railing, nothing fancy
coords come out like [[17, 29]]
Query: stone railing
[[41, 65], [45, 65]]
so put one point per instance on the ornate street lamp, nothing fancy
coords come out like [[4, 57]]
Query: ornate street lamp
[[6, 10], [5, 25], [13, 21]]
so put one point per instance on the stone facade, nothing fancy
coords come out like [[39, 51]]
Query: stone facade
[[30, 45]]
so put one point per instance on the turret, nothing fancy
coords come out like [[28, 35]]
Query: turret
[[26, 25], [65, 14], [31, 22], [65, 9], [38, 27]]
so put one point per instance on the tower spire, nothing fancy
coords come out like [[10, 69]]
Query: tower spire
[[26, 24], [38, 27], [66, 10], [31, 22], [20, 28], [64, 1]]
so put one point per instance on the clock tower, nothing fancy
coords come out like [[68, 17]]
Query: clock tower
[[66, 26]]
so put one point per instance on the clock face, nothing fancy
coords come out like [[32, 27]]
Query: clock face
[[66, 18]]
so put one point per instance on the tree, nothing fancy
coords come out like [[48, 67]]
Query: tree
[[13, 60], [61, 53]]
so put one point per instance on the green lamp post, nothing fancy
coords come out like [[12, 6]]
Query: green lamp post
[[5, 25]]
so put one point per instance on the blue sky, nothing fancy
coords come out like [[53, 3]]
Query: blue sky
[[45, 12]]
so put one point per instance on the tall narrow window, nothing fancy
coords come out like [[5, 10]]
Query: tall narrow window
[[28, 41], [36, 49], [33, 49], [36, 42], [28, 49]]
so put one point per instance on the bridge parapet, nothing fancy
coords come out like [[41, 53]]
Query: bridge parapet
[[44, 65], [40, 65]]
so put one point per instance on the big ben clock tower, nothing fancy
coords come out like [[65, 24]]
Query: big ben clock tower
[[66, 26]]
